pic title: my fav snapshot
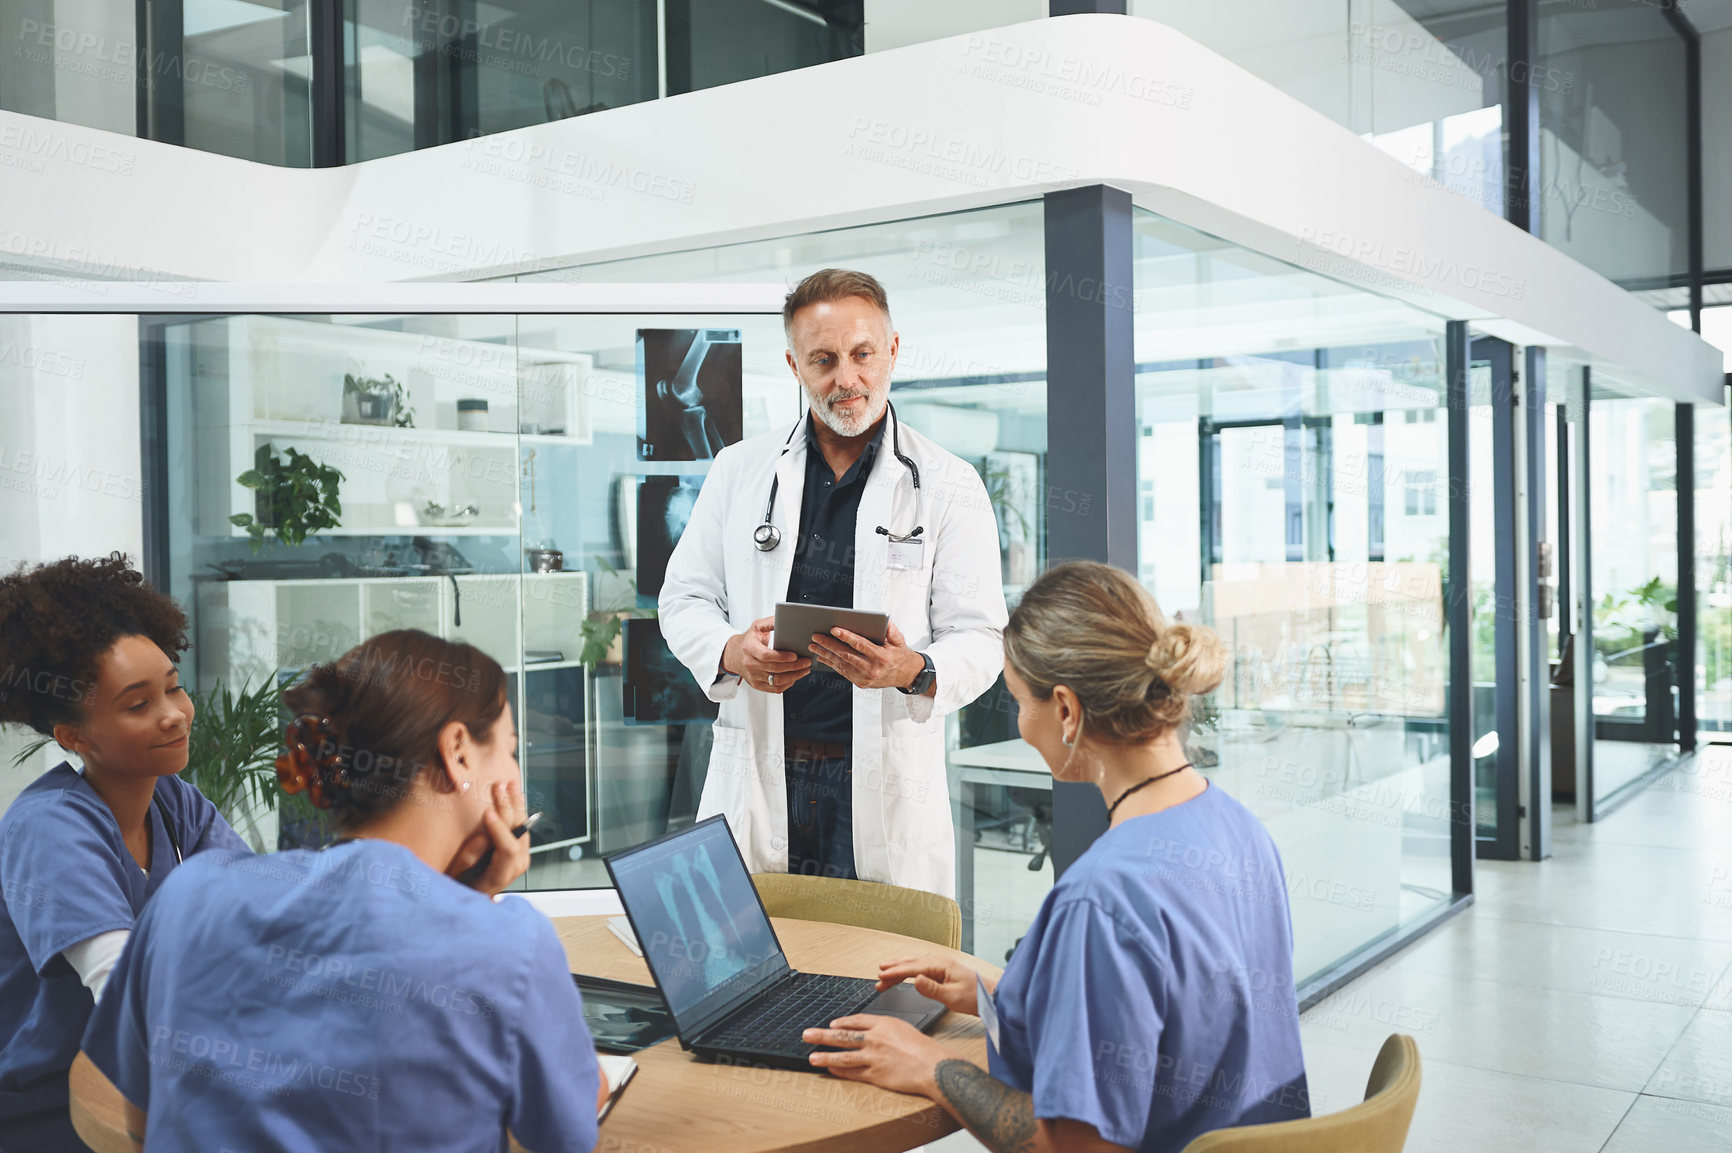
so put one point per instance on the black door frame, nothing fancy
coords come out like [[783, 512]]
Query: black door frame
[[1504, 842]]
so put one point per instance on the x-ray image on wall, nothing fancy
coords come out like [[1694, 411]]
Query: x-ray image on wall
[[656, 688], [689, 392], [664, 505]]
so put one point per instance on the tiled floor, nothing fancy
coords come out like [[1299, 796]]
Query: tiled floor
[[1581, 1005]]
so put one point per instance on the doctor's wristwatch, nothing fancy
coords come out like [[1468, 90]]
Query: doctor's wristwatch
[[923, 679]]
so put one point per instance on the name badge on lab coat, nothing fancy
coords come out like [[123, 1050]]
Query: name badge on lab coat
[[907, 555]]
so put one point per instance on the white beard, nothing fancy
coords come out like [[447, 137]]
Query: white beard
[[842, 424]]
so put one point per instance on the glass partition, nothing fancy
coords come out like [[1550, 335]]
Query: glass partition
[[217, 75], [495, 484], [1633, 508], [967, 295], [1295, 494], [1423, 82], [424, 73], [1613, 144]]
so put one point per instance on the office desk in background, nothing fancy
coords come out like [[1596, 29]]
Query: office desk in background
[[1014, 764], [676, 1103]]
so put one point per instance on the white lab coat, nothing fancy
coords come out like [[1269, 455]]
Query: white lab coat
[[951, 608]]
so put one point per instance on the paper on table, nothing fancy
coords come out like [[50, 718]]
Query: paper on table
[[617, 1070], [621, 928]]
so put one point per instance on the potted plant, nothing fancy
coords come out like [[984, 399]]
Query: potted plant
[[376, 400], [296, 497], [601, 628]]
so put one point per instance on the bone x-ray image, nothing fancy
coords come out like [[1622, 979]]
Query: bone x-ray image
[[656, 688], [697, 910], [664, 505], [689, 392]]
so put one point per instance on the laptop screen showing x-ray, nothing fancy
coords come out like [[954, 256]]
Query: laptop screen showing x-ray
[[699, 921]]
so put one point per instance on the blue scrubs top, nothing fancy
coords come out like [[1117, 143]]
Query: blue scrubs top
[[1153, 995], [65, 876], [350, 998]]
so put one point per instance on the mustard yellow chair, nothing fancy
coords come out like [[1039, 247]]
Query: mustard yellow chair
[[863, 904], [1376, 1125]]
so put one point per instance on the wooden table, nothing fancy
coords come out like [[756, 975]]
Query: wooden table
[[677, 1103]]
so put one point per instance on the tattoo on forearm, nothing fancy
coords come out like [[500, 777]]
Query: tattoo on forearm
[[1002, 1117]]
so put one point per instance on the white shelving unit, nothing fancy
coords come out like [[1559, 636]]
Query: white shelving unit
[[250, 631], [278, 381]]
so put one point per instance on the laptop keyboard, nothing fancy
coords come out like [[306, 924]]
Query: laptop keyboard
[[774, 1025]]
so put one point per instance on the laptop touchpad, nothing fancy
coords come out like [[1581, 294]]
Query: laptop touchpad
[[903, 1001]]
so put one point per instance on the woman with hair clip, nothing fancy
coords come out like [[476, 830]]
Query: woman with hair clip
[[87, 658], [361, 996], [1152, 999]]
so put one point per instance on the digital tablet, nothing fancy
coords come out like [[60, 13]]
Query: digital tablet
[[796, 623]]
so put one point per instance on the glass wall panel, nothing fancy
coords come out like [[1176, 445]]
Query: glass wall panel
[[79, 66], [967, 295], [1633, 509], [218, 75], [1713, 569], [1294, 475], [435, 71], [242, 85], [1613, 148], [488, 489], [713, 42], [1423, 81]]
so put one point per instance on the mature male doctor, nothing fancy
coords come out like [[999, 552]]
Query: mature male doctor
[[835, 766]]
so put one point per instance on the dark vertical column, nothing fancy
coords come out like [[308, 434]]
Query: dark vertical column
[[153, 452], [330, 146], [1503, 843], [1562, 556], [679, 46], [1091, 427], [1457, 600], [1072, 7], [161, 71], [427, 74], [1692, 151], [1684, 654], [1522, 117], [1538, 736]]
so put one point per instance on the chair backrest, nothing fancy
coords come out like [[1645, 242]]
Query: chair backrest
[[1377, 1125], [863, 904]]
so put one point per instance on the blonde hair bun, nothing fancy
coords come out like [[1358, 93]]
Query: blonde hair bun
[[1094, 629], [1189, 659]]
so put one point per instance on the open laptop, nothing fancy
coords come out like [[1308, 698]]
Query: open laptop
[[717, 962]]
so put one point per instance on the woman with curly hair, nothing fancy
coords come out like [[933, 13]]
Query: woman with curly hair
[[367, 995], [87, 657]]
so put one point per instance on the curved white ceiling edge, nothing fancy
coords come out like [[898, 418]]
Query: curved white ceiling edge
[[969, 121]]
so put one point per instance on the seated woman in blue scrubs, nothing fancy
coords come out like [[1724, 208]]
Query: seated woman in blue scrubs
[[360, 996], [87, 657], [1152, 999]]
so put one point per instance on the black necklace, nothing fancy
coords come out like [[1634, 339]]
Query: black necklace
[[1111, 809]]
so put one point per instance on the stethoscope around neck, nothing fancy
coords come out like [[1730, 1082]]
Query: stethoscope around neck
[[767, 536]]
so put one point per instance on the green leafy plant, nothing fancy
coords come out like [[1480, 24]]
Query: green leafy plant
[[232, 750], [402, 416], [602, 626], [296, 498]]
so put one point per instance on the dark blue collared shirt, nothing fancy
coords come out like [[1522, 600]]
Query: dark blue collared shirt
[[820, 706]]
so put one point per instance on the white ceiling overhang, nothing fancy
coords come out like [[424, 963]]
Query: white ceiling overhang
[[960, 123]]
